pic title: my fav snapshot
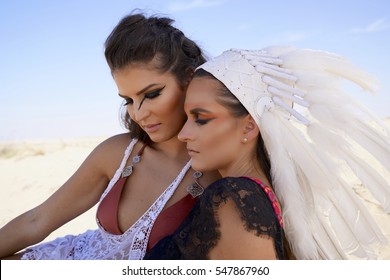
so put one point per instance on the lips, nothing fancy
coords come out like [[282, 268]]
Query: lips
[[192, 152], [151, 127]]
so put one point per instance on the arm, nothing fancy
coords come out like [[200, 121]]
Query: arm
[[247, 226], [236, 242], [73, 198]]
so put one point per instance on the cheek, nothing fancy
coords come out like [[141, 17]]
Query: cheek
[[218, 144], [174, 105], [220, 131], [216, 155], [130, 111], [177, 102], [219, 149]]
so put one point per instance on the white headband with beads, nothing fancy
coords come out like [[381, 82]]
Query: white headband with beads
[[258, 80]]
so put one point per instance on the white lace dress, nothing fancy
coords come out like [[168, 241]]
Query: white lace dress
[[100, 244]]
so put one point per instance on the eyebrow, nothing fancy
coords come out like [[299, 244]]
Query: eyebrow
[[141, 91], [199, 110]]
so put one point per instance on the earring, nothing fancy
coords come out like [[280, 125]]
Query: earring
[[245, 140]]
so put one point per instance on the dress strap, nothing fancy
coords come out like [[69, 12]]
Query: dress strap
[[272, 197], [107, 212], [118, 172]]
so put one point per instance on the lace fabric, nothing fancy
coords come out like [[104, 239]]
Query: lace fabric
[[199, 233], [100, 244]]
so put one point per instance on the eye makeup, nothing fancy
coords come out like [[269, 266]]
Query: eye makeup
[[150, 95], [201, 116]]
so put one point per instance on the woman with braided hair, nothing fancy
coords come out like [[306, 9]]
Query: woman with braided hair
[[285, 137], [142, 179]]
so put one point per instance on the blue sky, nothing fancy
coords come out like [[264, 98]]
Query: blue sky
[[54, 81]]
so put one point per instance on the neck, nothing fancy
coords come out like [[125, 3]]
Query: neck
[[245, 167], [172, 148]]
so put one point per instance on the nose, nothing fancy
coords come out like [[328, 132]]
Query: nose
[[185, 133], [138, 114]]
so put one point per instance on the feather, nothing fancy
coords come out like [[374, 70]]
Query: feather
[[340, 123], [339, 147], [339, 67], [295, 202], [349, 227]]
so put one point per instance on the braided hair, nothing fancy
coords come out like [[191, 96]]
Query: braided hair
[[140, 39]]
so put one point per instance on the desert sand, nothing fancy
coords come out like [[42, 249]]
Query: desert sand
[[31, 171]]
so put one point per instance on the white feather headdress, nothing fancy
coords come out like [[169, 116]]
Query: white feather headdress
[[317, 137]]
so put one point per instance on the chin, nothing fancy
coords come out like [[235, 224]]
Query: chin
[[157, 138], [198, 167], [162, 138]]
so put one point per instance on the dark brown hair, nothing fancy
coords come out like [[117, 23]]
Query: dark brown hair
[[140, 39]]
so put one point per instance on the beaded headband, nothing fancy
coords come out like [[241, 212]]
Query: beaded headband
[[261, 84]]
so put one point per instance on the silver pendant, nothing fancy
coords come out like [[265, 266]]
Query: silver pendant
[[197, 174], [127, 171], [195, 189], [136, 159]]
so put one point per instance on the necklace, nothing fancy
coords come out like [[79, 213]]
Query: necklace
[[129, 169], [195, 189]]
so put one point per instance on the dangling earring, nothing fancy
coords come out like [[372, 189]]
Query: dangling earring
[[196, 189], [245, 140]]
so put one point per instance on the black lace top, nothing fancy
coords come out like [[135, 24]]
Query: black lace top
[[199, 232]]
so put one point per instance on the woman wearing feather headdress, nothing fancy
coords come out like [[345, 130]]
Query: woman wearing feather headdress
[[277, 121]]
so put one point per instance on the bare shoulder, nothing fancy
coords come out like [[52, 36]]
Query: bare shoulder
[[109, 153], [114, 143]]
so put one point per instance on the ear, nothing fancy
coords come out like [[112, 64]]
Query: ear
[[251, 130]]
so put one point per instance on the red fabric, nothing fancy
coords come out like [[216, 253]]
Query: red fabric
[[165, 224], [170, 219], [107, 212]]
